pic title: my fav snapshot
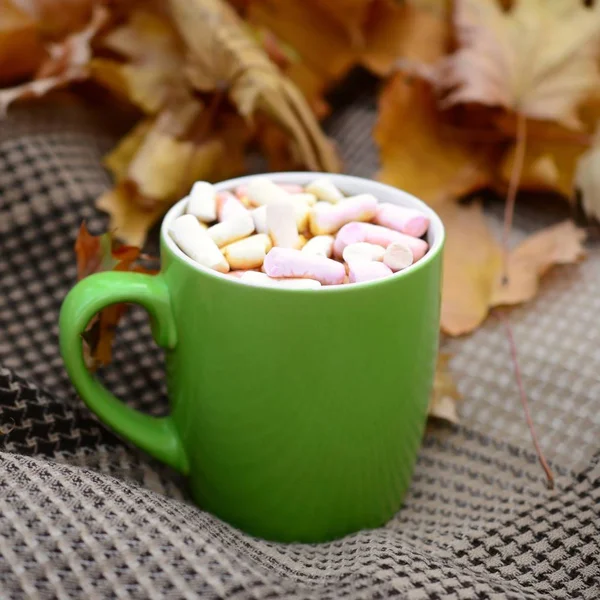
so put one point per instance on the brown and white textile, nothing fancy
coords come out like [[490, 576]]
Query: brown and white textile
[[85, 515]]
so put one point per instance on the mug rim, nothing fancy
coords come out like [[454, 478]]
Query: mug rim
[[436, 230]]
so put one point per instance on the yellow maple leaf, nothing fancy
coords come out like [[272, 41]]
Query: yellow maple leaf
[[21, 47], [68, 61], [153, 71], [420, 151], [538, 58], [556, 245], [445, 394], [223, 54], [469, 275]]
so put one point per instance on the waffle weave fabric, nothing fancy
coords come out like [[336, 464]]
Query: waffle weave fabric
[[85, 515]]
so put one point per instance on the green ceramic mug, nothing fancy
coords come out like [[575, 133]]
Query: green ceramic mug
[[296, 414]]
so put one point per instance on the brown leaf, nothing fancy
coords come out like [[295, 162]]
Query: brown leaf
[[21, 48], [539, 58], [68, 62], [548, 166], [420, 151], [129, 220], [587, 181], [416, 30], [472, 265], [96, 254], [442, 404], [153, 72], [324, 50], [557, 245], [118, 160], [224, 55], [58, 18]]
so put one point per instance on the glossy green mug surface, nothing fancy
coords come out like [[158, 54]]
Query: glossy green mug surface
[[296, 414]]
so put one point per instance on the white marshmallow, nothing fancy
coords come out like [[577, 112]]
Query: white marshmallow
[[248, 253], [363, 251], [325, 190], [397, 256], [281, 224], [262, 190], [231, 230], [255, 278], [195, 242], [202, 202], [321, 245], [259, 216], [228, 206], [304, 197]]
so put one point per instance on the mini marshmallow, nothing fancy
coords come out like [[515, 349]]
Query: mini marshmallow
[[254, 278], [362, 270], [287, 262], [321, 245], [405, 220], [281, 224], [324, 190], [301, 212], [228, 206], [291, 188], [196, 243], [363, 251], [248, 253], [375, 234], [202, 202], [306, 198], [231, 230], [397, 256], [259, 216], [329, 218], [262, 190]]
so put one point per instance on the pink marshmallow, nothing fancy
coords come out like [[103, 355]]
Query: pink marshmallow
[[402, 219], [375, 234], [288, 262], [328, 218], [363, 270], [229, 206]]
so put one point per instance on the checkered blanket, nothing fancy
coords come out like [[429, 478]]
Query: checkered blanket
[[85, 515]]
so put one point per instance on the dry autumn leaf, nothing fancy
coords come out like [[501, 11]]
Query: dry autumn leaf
[[587, 181], [412, 31], [442, 404], [473, 282], [419, 149], [557, 245], [21, 47], [154, 71], [548, 166], [102, 253], [68, 62], [538, 58], [469, 276], [222, 54], [58, 18]]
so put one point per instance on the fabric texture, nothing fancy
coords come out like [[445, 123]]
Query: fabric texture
[[85, 515]]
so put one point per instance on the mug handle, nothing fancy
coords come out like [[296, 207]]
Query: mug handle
[[157, 436]]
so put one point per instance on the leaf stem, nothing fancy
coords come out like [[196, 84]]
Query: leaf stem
[[513, 186], [524, 402]]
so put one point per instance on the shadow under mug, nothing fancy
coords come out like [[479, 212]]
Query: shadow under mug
[[296, 414]]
